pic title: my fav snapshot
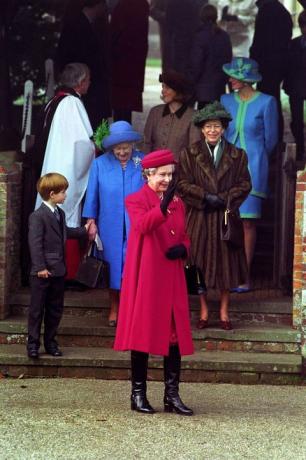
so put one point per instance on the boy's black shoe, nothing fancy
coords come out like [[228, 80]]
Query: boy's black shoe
[[33, 353], [54, 352]]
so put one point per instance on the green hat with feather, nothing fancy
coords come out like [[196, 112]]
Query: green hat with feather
[[213, 111]]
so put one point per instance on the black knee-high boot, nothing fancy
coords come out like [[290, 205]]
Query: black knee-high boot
[[139, 366], [172, 368]]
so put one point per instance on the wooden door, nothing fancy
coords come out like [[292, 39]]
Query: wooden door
[[273, 258]]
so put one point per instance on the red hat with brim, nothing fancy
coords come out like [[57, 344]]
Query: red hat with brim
[[158, 158]]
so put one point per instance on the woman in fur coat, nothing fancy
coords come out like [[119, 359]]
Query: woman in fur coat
[[213, 176]]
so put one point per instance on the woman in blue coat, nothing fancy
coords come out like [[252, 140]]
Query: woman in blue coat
[[254, 128], [112, 177]]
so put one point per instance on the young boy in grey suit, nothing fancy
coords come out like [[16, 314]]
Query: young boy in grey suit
[[47, 237]]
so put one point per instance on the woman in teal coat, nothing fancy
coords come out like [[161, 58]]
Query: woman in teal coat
[[254, 128], [112, 177]]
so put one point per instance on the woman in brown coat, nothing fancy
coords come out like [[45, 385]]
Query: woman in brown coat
[[169, 125], [213, 177]]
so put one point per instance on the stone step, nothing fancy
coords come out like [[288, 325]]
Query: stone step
[[105, 363], [250, 307], [91, 331]]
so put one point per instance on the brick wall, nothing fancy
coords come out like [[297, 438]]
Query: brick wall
[[299, 264], [10, 211]]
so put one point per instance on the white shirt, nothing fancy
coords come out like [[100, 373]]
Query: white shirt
[[52, 208]]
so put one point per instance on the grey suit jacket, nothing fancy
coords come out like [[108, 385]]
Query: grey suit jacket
[[47, 239]]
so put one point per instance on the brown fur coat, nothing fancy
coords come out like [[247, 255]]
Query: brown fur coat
[[223, 267]]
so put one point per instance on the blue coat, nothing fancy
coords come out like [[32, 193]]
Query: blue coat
[[254, 128], [108, 186]]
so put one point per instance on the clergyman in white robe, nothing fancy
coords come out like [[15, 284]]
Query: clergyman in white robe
[[70, 152]]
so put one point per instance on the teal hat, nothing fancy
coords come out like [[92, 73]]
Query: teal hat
[[243, 69], [213, 111], [120, 131]]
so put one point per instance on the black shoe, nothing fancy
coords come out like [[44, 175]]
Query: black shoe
[[54, 352], [139, 367], [73, 285], [172, 367], [33, 353], [174, 403], [140, 403], [112, 322]]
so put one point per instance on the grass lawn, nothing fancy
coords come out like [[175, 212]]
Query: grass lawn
[[153, 62]]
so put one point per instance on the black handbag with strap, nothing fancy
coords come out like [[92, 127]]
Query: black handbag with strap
[[93, 272], [194, 280], [232, 229]]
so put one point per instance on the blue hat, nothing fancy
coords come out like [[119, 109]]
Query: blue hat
[[243, 69], [120, 131]]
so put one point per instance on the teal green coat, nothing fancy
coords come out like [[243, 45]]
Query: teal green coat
[[254, 128]]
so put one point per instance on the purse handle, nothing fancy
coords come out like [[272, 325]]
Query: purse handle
[[98, 243], [228, 204], [226, 213], [227, 210]]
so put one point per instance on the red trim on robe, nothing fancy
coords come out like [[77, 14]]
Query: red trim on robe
[[73, 258]]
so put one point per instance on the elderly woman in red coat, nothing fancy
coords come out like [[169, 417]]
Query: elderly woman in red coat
[[154, 313]]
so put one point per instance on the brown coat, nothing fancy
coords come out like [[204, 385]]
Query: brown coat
[[172, 131], [222, 266]]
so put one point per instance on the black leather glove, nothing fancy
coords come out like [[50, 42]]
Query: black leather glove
[[213, 201], [168, 195], [178, 251]]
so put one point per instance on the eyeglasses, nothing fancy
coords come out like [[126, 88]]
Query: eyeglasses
[[209, 127]]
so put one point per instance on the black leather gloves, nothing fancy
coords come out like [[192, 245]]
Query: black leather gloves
[[178, 251], [213, 202], [168, 195]]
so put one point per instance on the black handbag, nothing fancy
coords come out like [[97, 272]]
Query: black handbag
[[194, 280], [93, 272], [232, 229]]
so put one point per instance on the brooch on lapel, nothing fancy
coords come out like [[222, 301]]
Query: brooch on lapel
[[137, 161]]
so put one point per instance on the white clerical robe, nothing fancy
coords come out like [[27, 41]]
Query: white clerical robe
[[70, 152]]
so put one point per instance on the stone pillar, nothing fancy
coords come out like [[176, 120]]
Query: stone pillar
[[299, 263], [10, 207]]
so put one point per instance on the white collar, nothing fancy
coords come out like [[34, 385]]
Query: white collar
[[52, 208], [215, 147]]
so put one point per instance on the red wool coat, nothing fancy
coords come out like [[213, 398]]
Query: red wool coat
[[154, 288]]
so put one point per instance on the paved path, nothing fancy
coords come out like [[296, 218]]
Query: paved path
[[90, 419]]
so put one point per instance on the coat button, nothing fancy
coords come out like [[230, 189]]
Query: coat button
[[172, 232]]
